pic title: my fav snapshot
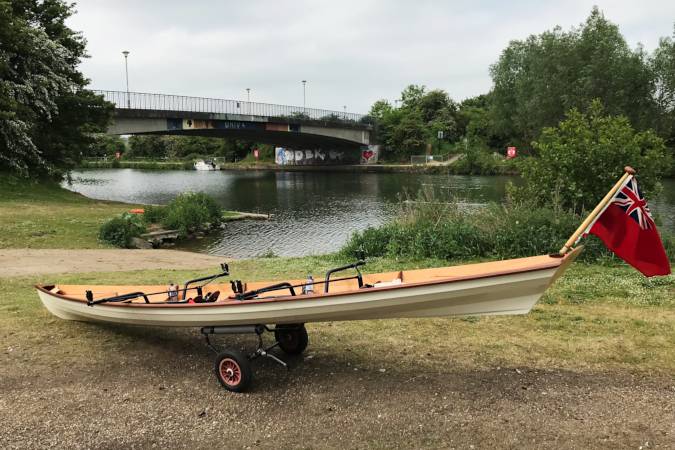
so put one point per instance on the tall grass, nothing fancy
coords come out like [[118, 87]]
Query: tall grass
[[428, 228]]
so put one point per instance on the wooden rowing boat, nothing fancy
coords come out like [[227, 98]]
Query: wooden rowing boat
[[500, 287]]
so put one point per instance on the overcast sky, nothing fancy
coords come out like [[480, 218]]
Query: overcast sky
[[350, 52]]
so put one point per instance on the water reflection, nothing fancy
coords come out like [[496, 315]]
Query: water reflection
[[313, 212]]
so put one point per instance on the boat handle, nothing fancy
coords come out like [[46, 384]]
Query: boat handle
[[355, 265], [274, 287], [115, 299]]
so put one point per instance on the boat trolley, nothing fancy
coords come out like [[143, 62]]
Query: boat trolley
[[232, 367]]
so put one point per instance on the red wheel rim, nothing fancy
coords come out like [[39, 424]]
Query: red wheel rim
[[230, 372]]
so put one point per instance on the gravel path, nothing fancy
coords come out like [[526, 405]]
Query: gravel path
[[167, 400], [23, 262]]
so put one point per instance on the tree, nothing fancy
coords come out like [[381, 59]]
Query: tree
[[105, 145], [46, 114], [407, 130], [581, 159], [147, 146], [409, 136], [537, 80], [380, 109], [475, 122], [663, 66]]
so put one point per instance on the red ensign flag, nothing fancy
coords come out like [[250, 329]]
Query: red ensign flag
[[627, 228]]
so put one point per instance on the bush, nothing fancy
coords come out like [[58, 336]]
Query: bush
[[192, 211], [580, 160], [154, 214], [120, 230], [456, 232]]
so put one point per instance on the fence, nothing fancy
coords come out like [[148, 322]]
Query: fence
[[163, 102]]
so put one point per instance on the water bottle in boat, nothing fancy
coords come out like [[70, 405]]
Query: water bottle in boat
[[173, 292], [308, 288]]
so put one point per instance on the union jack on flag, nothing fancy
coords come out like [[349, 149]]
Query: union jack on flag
[[631, 201], [627, 228]]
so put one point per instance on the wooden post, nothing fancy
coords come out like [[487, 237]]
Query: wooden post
[[628, 171]]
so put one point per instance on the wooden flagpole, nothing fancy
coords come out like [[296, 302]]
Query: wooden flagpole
[[628, 171]]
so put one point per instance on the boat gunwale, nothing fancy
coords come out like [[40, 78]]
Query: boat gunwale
[[554, 263]]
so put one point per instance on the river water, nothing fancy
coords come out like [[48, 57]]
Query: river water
[[313, 212]]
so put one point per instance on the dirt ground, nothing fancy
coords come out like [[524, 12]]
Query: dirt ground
[[21, 262], [78, 385], [159, 391]]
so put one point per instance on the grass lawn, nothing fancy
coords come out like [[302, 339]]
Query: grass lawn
[[48, 216], [591, 366], [44, 215]]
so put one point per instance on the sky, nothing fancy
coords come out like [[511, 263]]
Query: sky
[[351, 53]]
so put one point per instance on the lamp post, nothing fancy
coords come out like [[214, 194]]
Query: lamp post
[[345, 108], [248, 94], [304, 97], [126, 70]]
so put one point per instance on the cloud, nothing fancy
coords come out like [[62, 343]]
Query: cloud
[[351, 52]]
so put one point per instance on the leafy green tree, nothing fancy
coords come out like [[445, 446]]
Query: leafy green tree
[[105, 145], [147, 146], [581, 159], [411, 96], [407, 130], [46, 112], [380, 109], [663, 65], [537, 80], [475, 122], [409, 136]]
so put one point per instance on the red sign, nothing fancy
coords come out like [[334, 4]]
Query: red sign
[[510, 152], [256, 153]]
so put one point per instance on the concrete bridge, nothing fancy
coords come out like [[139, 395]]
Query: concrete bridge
[[287, 126]]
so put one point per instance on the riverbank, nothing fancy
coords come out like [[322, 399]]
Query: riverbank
[[271, 166], [45, 215]]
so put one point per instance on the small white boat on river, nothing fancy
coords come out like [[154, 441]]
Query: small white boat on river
[[207, 165]]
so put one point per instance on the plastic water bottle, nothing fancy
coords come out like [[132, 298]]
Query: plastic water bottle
[[173, 292], [308, 288]]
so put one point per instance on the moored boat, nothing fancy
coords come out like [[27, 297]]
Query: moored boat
[[208, 165]]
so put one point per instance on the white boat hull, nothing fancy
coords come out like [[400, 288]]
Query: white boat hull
[[514, 293]]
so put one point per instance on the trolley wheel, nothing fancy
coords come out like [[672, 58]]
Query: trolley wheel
[[233, 370], [292, 339]]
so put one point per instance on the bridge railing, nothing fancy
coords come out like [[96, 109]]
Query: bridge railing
[[181, 103]]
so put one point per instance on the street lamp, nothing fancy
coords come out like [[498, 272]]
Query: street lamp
[[126, 70], [345, 108], [304, 84], [248, 94]]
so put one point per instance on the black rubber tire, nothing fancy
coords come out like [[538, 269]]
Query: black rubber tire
[[292, 339], [233, 370]]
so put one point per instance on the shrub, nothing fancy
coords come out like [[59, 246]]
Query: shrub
[[192, 211], [457, 232], [154, 214], [120, 230], [580, 160]]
